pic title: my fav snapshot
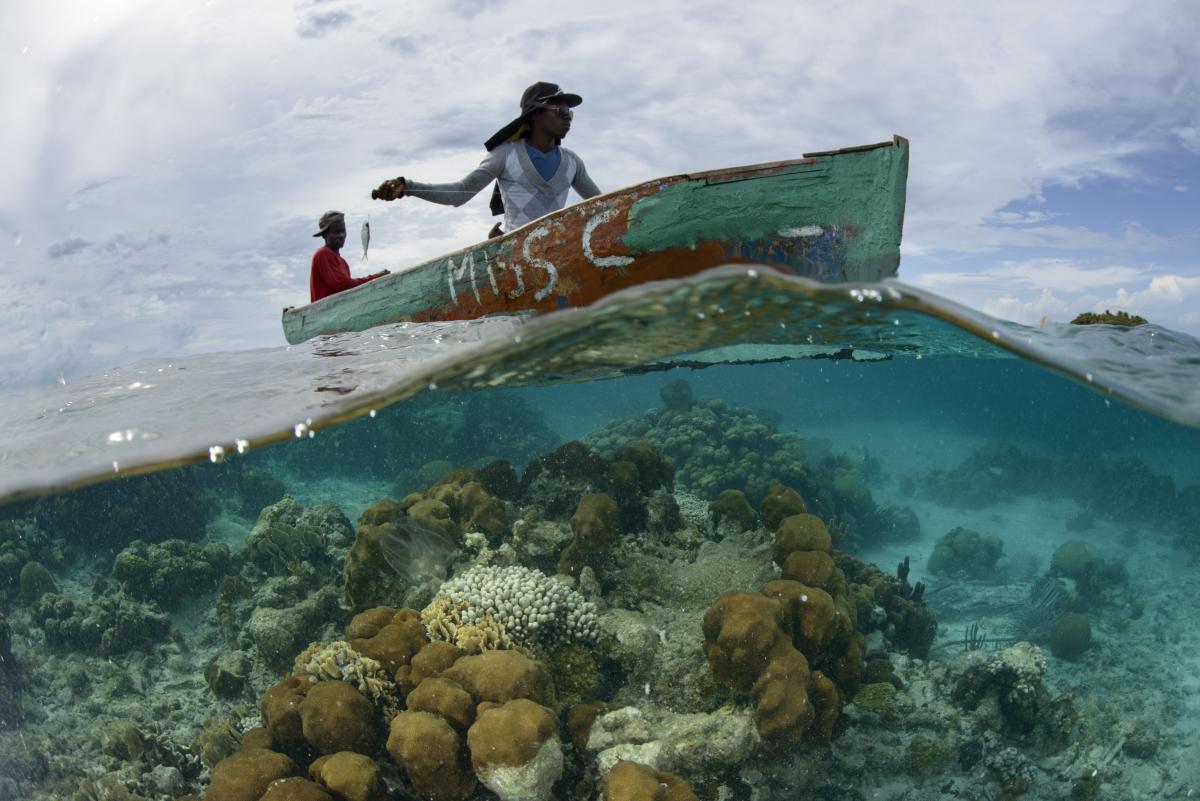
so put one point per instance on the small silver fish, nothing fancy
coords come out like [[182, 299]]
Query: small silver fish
[[366, 236]]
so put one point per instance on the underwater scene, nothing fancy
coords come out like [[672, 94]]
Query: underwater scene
[[697, 547]]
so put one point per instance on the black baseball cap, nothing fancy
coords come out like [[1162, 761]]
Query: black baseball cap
[[543, 94], [537, 97]]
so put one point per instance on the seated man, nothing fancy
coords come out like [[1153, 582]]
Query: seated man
[[330, 272], [532, 172]]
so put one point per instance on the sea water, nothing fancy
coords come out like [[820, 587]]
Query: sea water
[[1013, 514]]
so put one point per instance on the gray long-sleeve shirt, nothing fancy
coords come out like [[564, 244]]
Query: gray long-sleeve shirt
[[527, 195]]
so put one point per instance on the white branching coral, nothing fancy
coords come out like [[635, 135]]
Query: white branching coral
[[337, 661], [505, 607]]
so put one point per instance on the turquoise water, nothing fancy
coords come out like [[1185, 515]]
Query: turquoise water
[[1041, 485]]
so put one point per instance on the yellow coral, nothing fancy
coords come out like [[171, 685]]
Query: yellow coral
[[337, 661], [443, 620]]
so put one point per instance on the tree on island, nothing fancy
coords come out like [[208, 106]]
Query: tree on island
[[1109, 318]]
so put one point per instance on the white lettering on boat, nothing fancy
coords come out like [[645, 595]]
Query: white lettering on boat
[[491, 275], [542, 264], [464, 271], [602, 262], [519, 273], [466, 268]]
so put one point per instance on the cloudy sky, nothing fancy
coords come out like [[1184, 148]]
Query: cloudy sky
[[164, 162]]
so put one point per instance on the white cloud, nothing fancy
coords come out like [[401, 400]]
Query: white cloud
[[227, 127], [1023, 217], [1051, 274], [1163, 291], [1030, 312]]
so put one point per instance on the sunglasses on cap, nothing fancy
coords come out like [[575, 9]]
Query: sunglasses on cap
[[561, 110]]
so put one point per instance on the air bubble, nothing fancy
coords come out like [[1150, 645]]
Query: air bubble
[[216, 454], [995, 334], [1088, 376], [371, 413], [243, 445], [300, 429], [752, 273]]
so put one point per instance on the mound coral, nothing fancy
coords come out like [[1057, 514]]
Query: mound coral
[[171, 571], [1070, 637], [350, 776], [630, 781], [963, 552], [732, 505], [246, 775], [794, 647], [335, 716], [595, 524], [431, 754], [486, 716], [515, 750]]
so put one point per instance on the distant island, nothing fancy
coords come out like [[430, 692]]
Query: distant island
[[1109, 318]]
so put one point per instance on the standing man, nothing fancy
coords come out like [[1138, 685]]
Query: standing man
[[532, 172], [330, 272]]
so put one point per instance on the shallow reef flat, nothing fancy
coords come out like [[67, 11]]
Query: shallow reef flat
[[690, 603]]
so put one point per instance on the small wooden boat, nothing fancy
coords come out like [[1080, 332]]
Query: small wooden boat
[[834, 216]]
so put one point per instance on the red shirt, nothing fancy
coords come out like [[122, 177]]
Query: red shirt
[[331, 274]]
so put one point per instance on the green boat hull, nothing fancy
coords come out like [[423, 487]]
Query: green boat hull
[[834, 217]]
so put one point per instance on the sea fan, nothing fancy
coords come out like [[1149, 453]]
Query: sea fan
[[417, 550], [1046, 606]]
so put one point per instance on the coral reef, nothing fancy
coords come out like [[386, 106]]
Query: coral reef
[[717, 446], [636, 477], [155, 507], [112, 624], [171, 571], [23, 543], [1121, 489], [1014, 679], [887, 604], [469, 696]]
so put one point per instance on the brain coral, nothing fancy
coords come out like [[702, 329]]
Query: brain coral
[[496, 607]]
